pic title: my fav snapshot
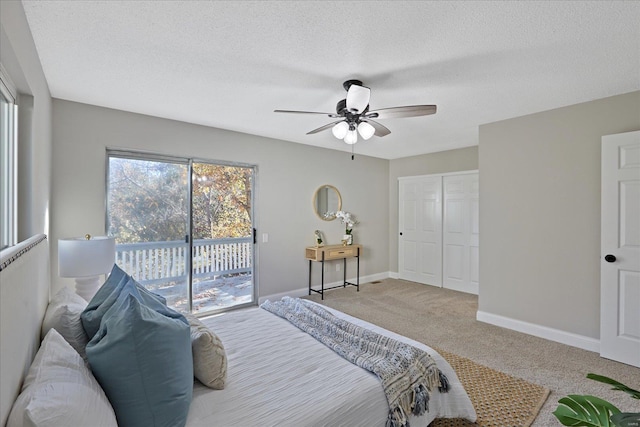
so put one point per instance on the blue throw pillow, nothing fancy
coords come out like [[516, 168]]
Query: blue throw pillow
[[109, 293], [143, 361], [90, 318], [144, 290], [115, 278]]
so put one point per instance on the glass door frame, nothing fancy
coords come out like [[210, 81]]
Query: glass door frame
[[189, 161], [254, 246]]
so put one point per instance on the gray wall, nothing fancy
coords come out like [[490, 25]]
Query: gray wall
[[539, 203], [462, 159], [288, 175], [540, 213], [19, 57]]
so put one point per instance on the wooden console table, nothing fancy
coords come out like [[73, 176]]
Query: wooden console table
[[333, 252]]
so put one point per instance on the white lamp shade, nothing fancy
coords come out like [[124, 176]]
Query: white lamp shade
[[366, 130], [340, 130], [79, 257], [351, 137], [358, 98]]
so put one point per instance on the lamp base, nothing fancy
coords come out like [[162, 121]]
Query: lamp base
[[87, 287]]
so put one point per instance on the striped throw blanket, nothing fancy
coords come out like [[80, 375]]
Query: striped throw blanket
[[408, 375]]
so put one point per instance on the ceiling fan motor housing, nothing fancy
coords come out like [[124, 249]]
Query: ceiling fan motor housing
[[341, 110], [341, 106], [346, 85]]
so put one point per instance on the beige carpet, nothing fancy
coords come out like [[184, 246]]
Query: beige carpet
[[446, 320]]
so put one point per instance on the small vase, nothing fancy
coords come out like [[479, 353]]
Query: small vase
[[348, 238]]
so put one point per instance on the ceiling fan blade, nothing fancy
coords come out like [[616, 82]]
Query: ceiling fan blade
[[325, 127], [332, 115], [380, 129], [400, 112], [358, 98]]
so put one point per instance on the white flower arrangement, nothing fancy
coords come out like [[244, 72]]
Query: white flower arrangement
[[348, 219]]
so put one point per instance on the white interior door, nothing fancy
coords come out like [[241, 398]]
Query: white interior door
[[620, 246], [460, 233], [420, 223]]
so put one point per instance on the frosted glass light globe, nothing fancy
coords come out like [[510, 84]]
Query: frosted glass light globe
[[352, 137], [366, 130], [340, 130]]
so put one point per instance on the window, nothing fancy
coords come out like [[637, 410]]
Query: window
[[8, 162], [184, 228]]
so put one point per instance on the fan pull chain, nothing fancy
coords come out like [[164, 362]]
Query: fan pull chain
[[352, 148]]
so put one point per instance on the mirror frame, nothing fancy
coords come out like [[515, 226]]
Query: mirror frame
[[315, 203]]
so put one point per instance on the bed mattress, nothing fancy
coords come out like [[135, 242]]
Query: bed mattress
[[280, 376]]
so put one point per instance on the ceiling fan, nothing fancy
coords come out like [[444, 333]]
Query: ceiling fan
[[355, 117]]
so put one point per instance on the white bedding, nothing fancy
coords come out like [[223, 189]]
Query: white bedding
[[277, 375], [280, 376]]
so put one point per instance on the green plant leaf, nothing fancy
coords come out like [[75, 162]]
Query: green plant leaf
[[585, 410], [616, 385], [626, 419]]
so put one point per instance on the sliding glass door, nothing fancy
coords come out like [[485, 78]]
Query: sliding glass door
[[147, 213], [222, 273], [183, 228]]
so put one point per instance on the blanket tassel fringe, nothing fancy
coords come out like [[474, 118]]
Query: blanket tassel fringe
[[417, 404]]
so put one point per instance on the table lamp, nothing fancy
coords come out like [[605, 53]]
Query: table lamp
[[85, 259]]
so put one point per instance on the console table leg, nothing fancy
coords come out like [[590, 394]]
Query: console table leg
[[344, 273], [358, 272], [309, 277], [322, 281]]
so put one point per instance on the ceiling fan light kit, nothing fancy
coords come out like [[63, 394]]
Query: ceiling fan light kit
[[340, 130], [365, 130], [351, 137], [356, 117]]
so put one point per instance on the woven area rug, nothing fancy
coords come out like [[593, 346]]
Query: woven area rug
[[500, 400]]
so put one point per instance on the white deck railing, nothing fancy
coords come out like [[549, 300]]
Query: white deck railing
[[160, 262]]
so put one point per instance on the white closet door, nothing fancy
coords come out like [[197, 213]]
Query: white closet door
[[420, 223], [460, 238]]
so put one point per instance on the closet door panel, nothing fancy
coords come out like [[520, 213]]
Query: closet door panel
[[430, 265], [461, 233], [411, 251], [454, 266], [474, 273], [420, 230], [474, 237]]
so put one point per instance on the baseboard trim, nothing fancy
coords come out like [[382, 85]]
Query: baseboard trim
[[563, 337], [296, 293]]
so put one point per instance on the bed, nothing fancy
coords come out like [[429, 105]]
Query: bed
[[277, 374]]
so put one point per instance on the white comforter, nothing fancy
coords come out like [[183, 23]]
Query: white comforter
[[281, 376]]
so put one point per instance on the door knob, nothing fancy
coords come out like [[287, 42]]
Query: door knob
[[610, 258]]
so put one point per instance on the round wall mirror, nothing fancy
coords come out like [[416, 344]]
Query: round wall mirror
[[326, 201]]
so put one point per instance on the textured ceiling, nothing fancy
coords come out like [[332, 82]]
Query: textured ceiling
[[230, 64]]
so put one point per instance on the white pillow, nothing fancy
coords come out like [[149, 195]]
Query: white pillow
[[60, 390], [63, 315], [209, 357]]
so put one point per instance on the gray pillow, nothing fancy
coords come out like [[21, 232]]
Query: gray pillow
[[143, 361]]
